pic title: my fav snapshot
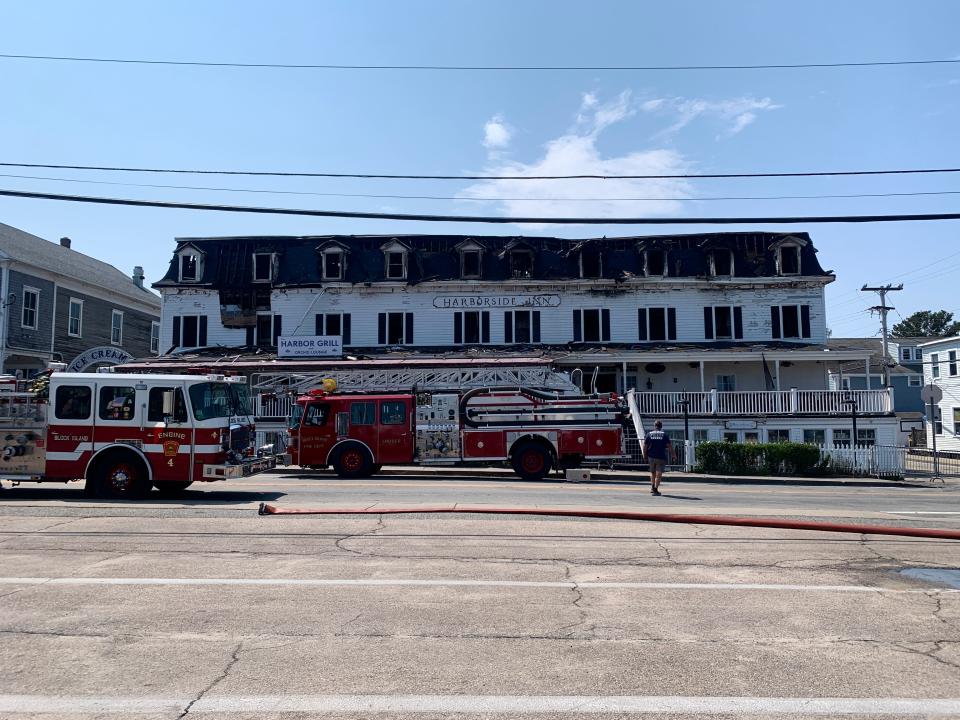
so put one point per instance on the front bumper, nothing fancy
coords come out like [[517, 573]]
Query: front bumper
[[240, 470]]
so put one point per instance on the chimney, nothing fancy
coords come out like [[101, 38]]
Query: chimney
[[65, 242], [137, 276]]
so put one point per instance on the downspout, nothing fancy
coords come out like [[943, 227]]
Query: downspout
[[4, 312]]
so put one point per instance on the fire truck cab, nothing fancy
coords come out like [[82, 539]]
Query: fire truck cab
[[533, 430], [126, 433]]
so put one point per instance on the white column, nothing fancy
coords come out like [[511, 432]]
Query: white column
[[867, 364], [623, 378], [776, 374], [703, 384]]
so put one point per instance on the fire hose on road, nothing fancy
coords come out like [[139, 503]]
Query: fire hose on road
[[813, 525]]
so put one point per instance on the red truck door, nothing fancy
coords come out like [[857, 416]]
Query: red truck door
[[395, 436], [316, 434], [362, 426]]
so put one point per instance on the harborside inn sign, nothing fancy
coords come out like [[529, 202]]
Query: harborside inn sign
[[493, 301], [307, 346]]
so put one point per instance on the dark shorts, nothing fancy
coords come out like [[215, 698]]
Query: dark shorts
[[657, 464]]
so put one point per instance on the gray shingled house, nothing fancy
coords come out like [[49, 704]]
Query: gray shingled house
[[59, 304]]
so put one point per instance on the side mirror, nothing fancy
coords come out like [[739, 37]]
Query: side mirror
[[167, 405]]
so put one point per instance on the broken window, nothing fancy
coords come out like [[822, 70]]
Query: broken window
[[723, 327], [188, 267], [723, 322], [521, 264], [521, 326], [790, 321], [396, 265], [790, 260], [722, 263], [656, 263], [591, 325], [262, 267], [590, 264], [657, 324], [470, 264], [395, 328], [333, 266], [471, 328]]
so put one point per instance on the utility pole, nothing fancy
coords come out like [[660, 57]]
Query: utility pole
[[883, 309]]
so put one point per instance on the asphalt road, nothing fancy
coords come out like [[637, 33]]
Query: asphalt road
[[199, 607]]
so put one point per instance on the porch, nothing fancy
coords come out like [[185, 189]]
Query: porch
[[762, 403]]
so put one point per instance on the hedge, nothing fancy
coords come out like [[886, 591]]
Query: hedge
[[780, 458]]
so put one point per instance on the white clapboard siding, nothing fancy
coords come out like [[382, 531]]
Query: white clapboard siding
[[950, 384], [197, 302]]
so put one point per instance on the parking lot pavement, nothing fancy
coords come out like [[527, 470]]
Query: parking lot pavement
[[180, 609]]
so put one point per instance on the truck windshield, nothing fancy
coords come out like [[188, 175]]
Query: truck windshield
[[217, 400], [296, 416]]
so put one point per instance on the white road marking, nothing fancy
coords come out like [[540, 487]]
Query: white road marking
[[922, 512], [456, 582], [456, 704]]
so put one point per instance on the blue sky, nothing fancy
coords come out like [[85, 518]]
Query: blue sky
[[523, 122]]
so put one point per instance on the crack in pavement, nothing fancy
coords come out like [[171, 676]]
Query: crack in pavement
[[234, 657], [338, 543]]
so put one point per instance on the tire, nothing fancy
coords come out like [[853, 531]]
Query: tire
[[531, 461], [120, 475], [353, 461], [172, 488]]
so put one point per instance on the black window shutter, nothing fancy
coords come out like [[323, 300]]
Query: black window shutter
[[250, 340], [508, 327], [318, 324], [577, 329], [536, 325], [642, 323], [277, 329], [345, 328], [176, 331], [408, 329], [671, 323], [202, 341], [485, 326], [381, 328], [805, 321], [775, 321], [605, 325], [458, 328], [708, 322], [738, 323]]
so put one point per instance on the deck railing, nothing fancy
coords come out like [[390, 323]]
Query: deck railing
[[767, 402]]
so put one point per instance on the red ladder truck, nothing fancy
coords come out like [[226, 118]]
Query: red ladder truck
[[126, 433], [534, 430]]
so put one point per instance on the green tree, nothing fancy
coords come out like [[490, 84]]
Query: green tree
[[927, 323]]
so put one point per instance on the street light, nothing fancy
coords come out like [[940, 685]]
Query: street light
[[851, 400]]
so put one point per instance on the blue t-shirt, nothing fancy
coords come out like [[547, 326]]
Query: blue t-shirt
[[656, 444]]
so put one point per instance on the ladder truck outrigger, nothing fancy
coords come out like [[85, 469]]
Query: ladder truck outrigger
[[126, 433], [533, 430]]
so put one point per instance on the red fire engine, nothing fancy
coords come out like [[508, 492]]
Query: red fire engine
[[534, 430], [126, 433]]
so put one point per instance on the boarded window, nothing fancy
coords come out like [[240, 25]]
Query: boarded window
[[117, 402], [73, 402]]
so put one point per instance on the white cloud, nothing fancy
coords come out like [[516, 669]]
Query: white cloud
[[496, 133], [588, 100], [734, 114], [576, 153]]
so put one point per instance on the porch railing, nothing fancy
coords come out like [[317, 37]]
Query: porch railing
[[767, 402]]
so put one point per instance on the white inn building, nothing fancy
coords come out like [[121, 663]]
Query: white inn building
[[733, 323]]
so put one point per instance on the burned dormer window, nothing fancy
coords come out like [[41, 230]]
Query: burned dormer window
[[721, 263], [521, 264], [591, 266], [263, 267], [655, 263], [396, 265], [190, 264], [333, 265], [470, 264], [789, 260]]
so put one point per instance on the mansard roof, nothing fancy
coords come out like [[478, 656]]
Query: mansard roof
[[227, 260]]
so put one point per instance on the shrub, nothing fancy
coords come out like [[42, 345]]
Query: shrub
[[781, 458]]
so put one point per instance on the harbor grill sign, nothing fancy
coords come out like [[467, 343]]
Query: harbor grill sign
[[305, 346], [494, 301]]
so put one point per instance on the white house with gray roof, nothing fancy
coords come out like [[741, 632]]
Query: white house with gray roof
[[57, 304]]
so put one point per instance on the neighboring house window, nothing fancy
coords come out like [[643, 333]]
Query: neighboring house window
[[591, 325], [333, 265], [31, 306], [845, 383], [776, 435], [75, 318], [915, 380], [937, 421], [935, 364], [262, 267], [956, 421], [722, 322], [395, 328], [591, 263], [866, 436], [655, 263], [396, 265], [701, 435], [190, 267], [952, 359], [521, 264], [721, 263], [790, 321], [726, 383], [814, 437], [334, 324], [189, 331], [155, 337], [116, 327], [471, 327], [789, 260], [521, 326], [906, 353], [657, 324], [470, 264], [841, 436]]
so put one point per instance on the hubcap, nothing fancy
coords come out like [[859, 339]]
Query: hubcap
[[352, 460], [532, 462], [121, 478]]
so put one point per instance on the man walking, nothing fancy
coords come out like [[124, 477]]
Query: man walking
[[656, 445]]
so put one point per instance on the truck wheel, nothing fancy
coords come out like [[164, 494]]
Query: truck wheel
[[172, 489], [353, 461], [122, 476], [375, 469], [531, 461]]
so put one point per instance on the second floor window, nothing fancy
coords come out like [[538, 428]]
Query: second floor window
[[334, 324], [657, 324], [395, 328], [935, 365], [155, 337], [471, 327], [116, 327], [723, 322], [75, 318], [591, 325], [189, 331], [726, 383], [31, 305], [521, 326], [790, 321], [906, 353], [952, 363]]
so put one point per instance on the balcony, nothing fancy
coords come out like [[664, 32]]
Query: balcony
[[767, 402]]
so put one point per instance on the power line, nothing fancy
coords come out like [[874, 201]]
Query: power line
[[815, 219], [585, 176], [480, 68], [481, 199]]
